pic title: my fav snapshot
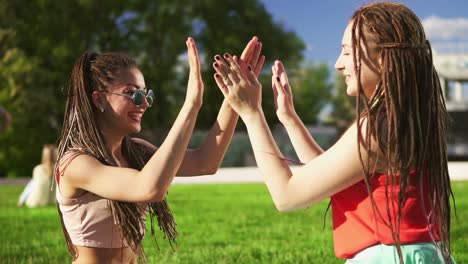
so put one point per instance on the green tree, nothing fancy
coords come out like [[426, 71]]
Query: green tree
[[228, 30], [311, 90], [39, 41], [343, 106]]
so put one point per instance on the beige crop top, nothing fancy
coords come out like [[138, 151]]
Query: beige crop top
[[89, 222]]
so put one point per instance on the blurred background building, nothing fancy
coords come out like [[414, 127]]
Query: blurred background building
[[451, 62]]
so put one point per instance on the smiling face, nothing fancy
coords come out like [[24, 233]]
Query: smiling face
[[345, 63], [120, 115]]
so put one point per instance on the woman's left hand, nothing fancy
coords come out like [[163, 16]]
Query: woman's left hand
[[282, 94], [240, 87]]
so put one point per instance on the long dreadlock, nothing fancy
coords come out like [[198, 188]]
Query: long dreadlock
[[80, 134], [406, 114]]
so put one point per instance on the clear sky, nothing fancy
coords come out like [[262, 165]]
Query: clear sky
[[320, 23]]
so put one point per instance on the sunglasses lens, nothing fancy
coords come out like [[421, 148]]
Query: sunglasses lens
[[138, 97], [150, 97]]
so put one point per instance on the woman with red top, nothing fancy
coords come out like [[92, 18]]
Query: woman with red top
[[387, 175]]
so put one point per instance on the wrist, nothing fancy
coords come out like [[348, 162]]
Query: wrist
[[190, 106], [289, 120], [253, 114]]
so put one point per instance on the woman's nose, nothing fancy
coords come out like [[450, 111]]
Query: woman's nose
[[338, 64]]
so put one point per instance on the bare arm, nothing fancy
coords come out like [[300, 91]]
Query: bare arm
[[330, 172], [303, 143], [151, 183], [207, 158]]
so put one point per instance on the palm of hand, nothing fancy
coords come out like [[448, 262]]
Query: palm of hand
[[282, 92], [284, 106]]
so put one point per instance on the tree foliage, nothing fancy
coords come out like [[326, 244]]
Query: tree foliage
[[311, 89], [40, 40], [343, 106]]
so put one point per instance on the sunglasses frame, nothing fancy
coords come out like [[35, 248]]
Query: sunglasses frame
[[138, 95]]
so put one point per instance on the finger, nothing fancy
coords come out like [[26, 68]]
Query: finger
[[283, 77], [194, 61], [275, 91], [234, 68], [219, 81], [220, 65], [249, 49], [285, 83], [274, 69], [222, 72], [256, 54], [225, 70], [279, 67], [251, 75], [258, 68], [242, 64], [279, 88], [233, 64]]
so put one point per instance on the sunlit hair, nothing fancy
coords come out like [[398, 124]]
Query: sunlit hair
[[406, 115], [81, 135]]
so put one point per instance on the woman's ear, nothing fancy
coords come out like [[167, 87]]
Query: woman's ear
[[98, 101]]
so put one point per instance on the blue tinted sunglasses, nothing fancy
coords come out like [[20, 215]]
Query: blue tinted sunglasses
[[138, 97]]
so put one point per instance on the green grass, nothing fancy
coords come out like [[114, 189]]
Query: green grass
[[216, 224]]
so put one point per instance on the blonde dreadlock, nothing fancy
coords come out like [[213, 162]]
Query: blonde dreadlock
[[406, 114], [80, 134]]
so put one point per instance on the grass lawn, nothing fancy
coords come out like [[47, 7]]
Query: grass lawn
[[217, 224]]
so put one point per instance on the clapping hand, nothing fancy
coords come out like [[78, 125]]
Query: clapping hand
[[194, 94], [237, 78], [282, 93]]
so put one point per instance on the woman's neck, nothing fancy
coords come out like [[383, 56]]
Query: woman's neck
[[114, 144]]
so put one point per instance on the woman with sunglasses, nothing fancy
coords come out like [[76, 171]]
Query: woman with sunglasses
[[107, 181]]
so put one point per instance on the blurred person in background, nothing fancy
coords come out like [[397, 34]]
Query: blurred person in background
[[38, 191]]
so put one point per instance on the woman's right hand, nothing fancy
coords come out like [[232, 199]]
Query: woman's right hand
[[282, 93], [195, 85], [241, 88]]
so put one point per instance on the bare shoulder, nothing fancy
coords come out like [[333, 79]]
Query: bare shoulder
[[356, 137], [72, 168], [73, 164]]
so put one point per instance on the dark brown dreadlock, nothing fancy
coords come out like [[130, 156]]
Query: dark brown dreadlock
[[406, 114], [80, 134]]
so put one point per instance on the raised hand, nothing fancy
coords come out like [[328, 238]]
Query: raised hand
[[282, 93], [251, 56], [194, 94], [240, 87]]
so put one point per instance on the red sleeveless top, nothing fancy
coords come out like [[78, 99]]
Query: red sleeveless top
[[356, 227]]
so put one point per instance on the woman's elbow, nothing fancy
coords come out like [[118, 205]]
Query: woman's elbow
[[154, 196], [212, 170], [282, 205], [207, 169]]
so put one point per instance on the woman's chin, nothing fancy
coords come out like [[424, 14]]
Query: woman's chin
[[351, 91]]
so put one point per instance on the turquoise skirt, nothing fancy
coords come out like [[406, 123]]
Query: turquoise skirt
[[418, 253]]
